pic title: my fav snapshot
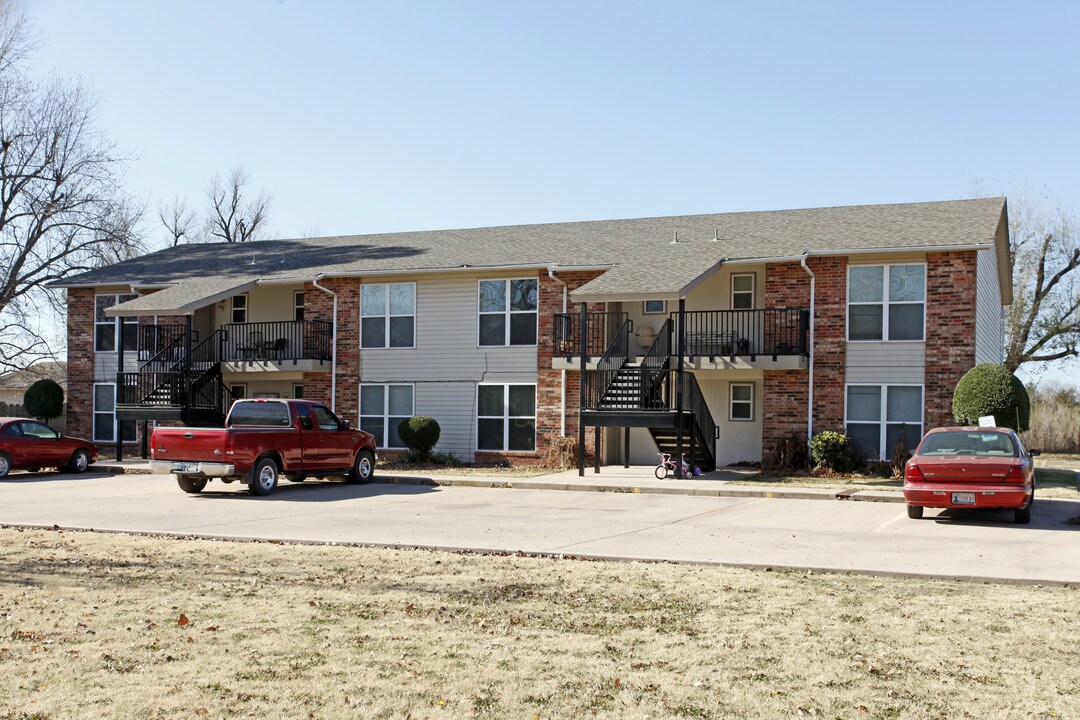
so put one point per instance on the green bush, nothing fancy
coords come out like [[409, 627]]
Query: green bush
[[991, 390], [44, 400], [831, 450], [420, 434]]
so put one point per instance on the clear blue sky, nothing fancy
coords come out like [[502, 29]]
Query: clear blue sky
[[365, 117]]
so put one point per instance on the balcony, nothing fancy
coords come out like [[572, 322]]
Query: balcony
[[770, 338], [285, 345]]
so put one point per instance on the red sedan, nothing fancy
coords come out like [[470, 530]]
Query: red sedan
[[971, 467], [30, 445]]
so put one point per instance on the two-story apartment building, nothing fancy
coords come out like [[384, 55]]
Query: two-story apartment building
[[722, 333]]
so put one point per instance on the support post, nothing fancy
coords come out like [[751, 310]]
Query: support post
[[188, 399], [581, 393], [119, 389], [145, 439], [626, 447], [680, 345], [596, 449]]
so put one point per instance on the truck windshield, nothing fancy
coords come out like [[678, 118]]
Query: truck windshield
[[259, 414]]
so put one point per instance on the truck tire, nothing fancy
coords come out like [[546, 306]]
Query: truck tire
[[190, 484], [363, 468], [264, 477]]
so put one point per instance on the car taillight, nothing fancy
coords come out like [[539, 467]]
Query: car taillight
[[912, 473], [1016, 475]]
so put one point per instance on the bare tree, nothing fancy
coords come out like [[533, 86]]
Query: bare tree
[[62, 209], [179, 221], [1043, 323], [232, 218]]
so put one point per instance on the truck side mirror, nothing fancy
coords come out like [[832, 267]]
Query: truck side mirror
[[344, 425]]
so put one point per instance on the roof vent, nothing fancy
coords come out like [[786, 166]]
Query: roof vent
[[675, 240], [716, 236]]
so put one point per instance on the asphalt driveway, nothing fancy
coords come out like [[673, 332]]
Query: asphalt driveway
[[750, 531]]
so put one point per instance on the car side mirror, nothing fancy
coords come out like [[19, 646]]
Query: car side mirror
[[1034, 453]]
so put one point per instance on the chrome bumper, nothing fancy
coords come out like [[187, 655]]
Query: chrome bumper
[[206, 469]]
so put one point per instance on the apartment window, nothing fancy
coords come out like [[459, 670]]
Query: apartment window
[[741, 401], [298, 391], [382, 408], [742, 291], [388, 315], [238, 392], [886, 302], [298, 305], [108, 332], [508, 312], [240, 308], [506, 418], [106, 425], [654, 307], [879, 416]]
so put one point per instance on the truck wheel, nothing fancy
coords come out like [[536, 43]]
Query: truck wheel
[[264, 477], [190, 484], [363, 468]]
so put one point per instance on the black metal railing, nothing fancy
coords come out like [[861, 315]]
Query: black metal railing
[[608, 367], [156, 389], [171, 354], [600, 328], [285, 340], [694, 402], [153, 340], [768, 331]]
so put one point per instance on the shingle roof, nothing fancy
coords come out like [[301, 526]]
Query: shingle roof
[[639, 252]]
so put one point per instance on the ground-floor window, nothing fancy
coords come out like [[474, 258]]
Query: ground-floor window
[[382, 408], [298, 391], [106, 426], [506, 418], [741, 401], [880, 416]]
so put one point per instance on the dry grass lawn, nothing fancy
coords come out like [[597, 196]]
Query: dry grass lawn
[[116, 626]]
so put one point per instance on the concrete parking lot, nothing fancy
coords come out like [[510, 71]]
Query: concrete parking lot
[[824, 534]]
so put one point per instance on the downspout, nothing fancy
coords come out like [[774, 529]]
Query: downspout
[[562, 390], [333, 345], [810, 389]]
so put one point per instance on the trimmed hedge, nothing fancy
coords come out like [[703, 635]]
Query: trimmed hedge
[[44, 400], [991, 390], [420, 434], [831, 450]]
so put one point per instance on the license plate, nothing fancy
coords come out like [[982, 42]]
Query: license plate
[[963, 498], [192, 467]]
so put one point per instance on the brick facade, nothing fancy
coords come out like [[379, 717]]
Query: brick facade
[[80, 362], [950, 329], [319, 305]]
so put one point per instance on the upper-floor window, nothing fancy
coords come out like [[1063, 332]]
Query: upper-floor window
[[298, 305], [886, 302], [240, 308], [388, 315], [508, 312], [108, 332], [742, 291]]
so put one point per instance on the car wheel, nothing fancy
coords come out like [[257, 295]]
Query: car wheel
[[5, 465], [363, 468], [914, 511], [80, 460], [190, 484], [1022, 516], [264, 477]]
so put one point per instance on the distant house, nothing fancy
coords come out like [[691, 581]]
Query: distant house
[[13, 384], [725, 334]]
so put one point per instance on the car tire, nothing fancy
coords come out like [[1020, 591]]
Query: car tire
[[1022, 516], [914, 511], [363, 468], [5, 465], [264, 477], [80, 461], [190, 484]]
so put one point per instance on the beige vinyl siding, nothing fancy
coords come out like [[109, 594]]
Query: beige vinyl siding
[[988, 309], [886, 362], [446, 340]]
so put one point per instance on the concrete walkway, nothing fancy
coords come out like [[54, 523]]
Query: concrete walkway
[[637, 479]]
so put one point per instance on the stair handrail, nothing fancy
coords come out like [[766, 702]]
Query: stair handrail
[[703, 419], [654, 366], [164, 359], [615, 356]]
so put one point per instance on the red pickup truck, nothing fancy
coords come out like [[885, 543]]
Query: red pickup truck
[[263, 440]]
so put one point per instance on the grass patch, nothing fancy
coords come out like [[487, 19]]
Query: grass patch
[[330, 631]]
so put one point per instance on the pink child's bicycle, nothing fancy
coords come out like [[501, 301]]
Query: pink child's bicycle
[[667, 465]]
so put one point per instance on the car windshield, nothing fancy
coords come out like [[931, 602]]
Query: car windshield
[[259, 414], [969, 443]]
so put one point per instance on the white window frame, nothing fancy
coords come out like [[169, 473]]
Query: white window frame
[[885, 302], [646, 311], [732, 401], [243, 390], [506, 417], [508, 312], [115, 422], [386, 317], [883, 422], [752, 291], [298, 305], [298, 387], [118, 327], [385, 410], [243, 309]]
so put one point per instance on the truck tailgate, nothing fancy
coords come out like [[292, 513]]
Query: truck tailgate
[[188, 443]]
